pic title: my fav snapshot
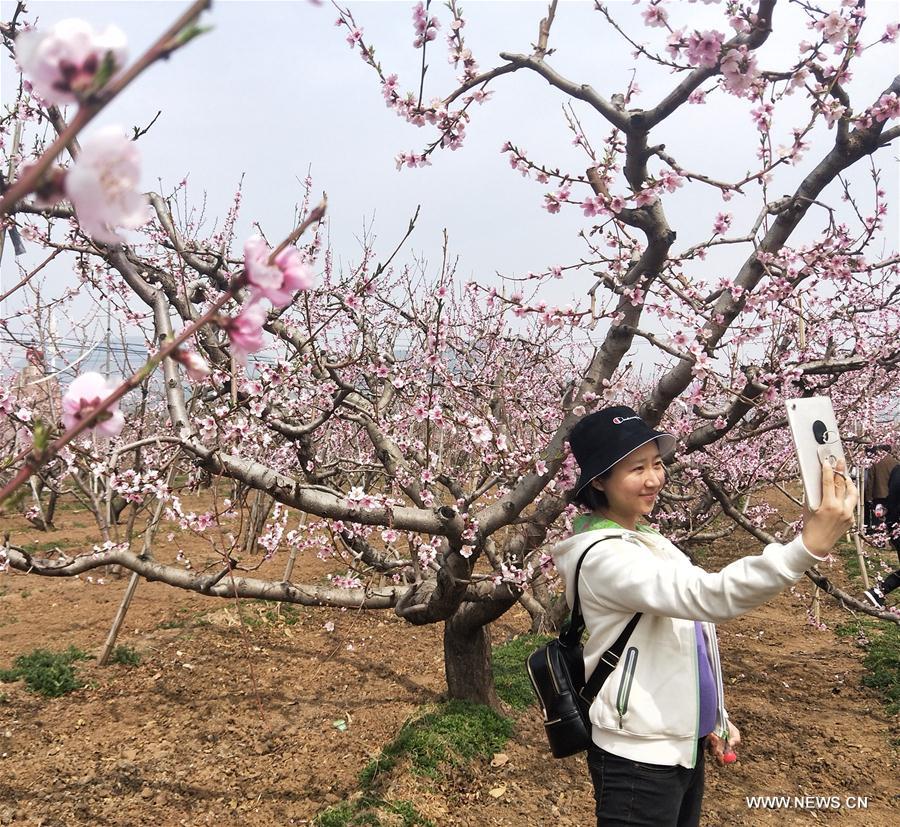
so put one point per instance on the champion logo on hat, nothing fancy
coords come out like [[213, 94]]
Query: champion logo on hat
[[620, 419]]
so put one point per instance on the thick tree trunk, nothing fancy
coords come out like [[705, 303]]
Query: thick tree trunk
[[467, 662]]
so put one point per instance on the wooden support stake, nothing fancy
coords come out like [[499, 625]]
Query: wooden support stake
[[292, 557], [149, 533], [861, 523], [119, 619], [861, 558]]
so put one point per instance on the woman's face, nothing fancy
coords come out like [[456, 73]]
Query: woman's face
[[633, 484]]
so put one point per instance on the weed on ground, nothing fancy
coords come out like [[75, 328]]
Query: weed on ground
[[46, 673], [126, 656]]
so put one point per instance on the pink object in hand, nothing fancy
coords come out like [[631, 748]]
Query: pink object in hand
[[729, 757]]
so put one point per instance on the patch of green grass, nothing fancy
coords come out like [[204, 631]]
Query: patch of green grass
[[879, 561], [3, 699], [339, 816], [880, 641], [126, 656], [172, 623], [286, 613], [265, 613], [883, 665], [856, 627], [847, 552], [251, 620], [368, 812], [447, 734], [451, 733], [50, 546], [50, 674], [510, 675]]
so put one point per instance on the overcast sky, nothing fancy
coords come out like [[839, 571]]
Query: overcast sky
[[274, 91]]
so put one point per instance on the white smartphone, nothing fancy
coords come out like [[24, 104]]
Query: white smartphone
[[816, 439]]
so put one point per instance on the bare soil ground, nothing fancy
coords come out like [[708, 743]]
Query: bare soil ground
[[230, 717]]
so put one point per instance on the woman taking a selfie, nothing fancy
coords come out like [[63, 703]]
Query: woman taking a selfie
[[664, 702]]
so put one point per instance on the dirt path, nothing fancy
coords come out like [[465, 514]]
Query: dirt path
[[231, 723]]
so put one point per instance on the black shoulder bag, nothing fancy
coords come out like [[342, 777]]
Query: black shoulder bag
[[557, 675]]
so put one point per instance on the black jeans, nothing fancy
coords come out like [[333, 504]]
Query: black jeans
[[638, 794], [892, 581]]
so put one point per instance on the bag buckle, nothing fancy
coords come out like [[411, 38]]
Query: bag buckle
[[611, 664]]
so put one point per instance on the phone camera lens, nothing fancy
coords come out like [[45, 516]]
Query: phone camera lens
[[820, 432]]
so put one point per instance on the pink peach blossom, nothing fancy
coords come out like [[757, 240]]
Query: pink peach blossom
[[246, 330], [645, 197], [722, 223], [833, 27], [83, 397], [481, 435], [739, 70], [703, 48], [196, 366], [887, 106], [670, 180], [591, 206], [63, 63], [277, 281], [426, 29], [655, 15], [675, 43]]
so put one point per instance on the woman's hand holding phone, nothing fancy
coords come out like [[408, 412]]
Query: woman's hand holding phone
[[823, 527]]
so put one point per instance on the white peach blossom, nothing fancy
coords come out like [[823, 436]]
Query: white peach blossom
[[102, 185]]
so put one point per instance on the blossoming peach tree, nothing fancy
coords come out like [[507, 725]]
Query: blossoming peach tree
[[417, 421]]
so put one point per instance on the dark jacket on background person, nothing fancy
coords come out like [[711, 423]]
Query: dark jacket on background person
[[881, 472], [892, 505]]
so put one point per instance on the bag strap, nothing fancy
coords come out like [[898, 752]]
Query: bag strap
[[608, 661], [572, 636]]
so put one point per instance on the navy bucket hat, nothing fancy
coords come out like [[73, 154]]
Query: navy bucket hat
[[599, 440]]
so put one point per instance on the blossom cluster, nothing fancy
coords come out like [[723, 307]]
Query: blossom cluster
[[426, 27], [273, 276]]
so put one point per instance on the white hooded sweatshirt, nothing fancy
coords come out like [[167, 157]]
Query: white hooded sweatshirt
[[649, 707]]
